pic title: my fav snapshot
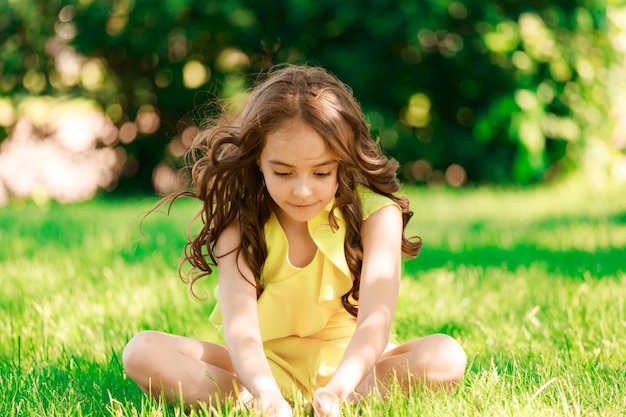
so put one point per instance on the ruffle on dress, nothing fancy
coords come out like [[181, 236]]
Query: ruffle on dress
[[329, 241]]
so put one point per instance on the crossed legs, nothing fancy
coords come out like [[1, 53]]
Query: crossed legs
[[193, 371]]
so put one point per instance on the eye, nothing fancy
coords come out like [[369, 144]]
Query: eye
[[281, 174], [322, 174]]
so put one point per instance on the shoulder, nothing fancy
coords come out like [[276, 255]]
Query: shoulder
[[384, 221], [372, 202]]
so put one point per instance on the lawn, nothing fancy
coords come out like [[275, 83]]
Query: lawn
[[532, 282]]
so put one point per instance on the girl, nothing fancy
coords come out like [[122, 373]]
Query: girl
[[301, 218]]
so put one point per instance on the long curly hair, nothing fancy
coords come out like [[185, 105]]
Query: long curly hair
[[227, 180]]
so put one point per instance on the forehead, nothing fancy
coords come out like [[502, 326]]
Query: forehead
[[295, 141]]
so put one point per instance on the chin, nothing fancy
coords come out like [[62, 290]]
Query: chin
[[301, 215]]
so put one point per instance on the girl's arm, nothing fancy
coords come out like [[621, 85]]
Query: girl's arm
[[381, 235], [238, 303]]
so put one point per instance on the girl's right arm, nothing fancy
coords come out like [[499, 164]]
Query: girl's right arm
[[238, 302]]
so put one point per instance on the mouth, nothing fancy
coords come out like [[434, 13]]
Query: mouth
[[303, 206]]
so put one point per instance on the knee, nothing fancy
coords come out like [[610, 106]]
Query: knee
[[137, 354], [448, 358]]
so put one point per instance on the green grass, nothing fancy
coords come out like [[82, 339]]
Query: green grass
[[531, 282]]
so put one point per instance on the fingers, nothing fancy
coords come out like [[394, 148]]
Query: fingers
[[326, 403], [272, 404]]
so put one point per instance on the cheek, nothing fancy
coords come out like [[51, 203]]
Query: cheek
[[336, 183], [273, 187], [331, 190]]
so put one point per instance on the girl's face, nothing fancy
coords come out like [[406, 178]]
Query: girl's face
[[299, 170]]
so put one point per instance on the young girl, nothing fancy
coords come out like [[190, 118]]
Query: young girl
[[301, 219]]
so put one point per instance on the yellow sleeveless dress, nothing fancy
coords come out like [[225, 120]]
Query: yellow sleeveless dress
[[304, 326]]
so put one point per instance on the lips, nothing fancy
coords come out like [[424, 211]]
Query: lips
[[303, 206]]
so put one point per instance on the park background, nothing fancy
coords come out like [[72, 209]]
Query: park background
[[106, 95], [508, 119]]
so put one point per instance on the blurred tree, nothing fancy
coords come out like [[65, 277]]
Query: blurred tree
[[457, 91]]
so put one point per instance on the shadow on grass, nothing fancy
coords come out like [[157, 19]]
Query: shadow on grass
[[75, 229], [574, 264]]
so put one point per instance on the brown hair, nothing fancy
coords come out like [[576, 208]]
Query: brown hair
[[228, 182]]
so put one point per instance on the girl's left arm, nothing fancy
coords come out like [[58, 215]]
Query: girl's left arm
[[381, 235]]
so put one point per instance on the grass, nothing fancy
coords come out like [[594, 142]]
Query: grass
[[531, 282]]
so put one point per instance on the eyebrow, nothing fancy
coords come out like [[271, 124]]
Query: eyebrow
[[321, 164]]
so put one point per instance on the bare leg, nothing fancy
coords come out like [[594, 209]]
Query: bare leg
[[435, 361], [181, 368]]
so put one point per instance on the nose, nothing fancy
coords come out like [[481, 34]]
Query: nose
[[302, 188]]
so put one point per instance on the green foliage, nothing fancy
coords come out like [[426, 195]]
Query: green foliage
[[531, 282], [509, 91]]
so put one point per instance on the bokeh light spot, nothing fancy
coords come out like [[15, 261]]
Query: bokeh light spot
[[421, 170], [176, 147], [243, 18], [116, 24], [163, 78], [503, 39], [188, 135], [66, 31], [526, 100], [195, 74], [585, 69], [537, 39], [115, 112], [128, 132], [7, 114], [546, 92], [67, 13], [165, 180], [455, 175], [457, 10], [92, 74], [148, 120], [54, 151], [231, 59], [68, 64], [451, 44], [417, 114], [428, 38], [34, 81], [560, 70], [531, 135], [522, 61], [176, 45], [123, 6]]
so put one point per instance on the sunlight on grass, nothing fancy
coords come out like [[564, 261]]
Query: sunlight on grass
[[531, 282]]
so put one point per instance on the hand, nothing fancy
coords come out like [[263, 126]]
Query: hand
[[272, 404], [325, 403]]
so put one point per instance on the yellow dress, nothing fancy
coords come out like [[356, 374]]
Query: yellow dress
[[304, 326]]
